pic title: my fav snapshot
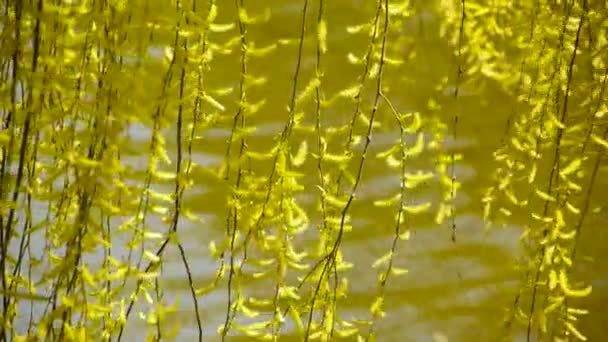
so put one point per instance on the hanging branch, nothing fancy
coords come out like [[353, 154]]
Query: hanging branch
[[455, 122], [239, 120], [330, 258]]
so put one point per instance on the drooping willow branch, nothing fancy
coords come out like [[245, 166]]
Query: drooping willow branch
[[330, 259], [239, 121]]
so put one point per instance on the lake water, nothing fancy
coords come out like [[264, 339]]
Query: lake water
[[454, 291]]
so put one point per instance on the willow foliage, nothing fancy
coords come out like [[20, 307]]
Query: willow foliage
[[106, 103], [86, 81], [551, 56]]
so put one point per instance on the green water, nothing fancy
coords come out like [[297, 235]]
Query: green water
[[455, 290]]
